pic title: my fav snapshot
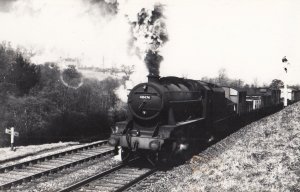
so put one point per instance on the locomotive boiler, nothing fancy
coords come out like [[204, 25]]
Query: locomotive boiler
[[169, 116]]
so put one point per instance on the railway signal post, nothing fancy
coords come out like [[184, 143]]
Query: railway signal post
[[285, 91], [12, 134]]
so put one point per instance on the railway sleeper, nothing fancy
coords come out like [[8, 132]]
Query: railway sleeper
[[45, 166], [91, 153], [95, 152], [110, 184], [87, 156], [60, 161], [137, 173], [80, 156], [53, 164], [36, 167], [117, 177], [10, 176], [126, 175], [65, 159], [113, 180], [77, 157], [32, 171], [20, 172], [132, 169], [98, 188]]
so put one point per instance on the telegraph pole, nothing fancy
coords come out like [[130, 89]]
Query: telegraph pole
[[285, 91]]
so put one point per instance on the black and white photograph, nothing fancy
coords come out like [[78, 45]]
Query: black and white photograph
[[150, 95]]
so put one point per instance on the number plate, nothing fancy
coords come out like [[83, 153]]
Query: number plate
[[147, 97]]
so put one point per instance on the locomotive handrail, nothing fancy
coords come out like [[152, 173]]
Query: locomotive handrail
[[187, 101], [146, 93], [151, 109]]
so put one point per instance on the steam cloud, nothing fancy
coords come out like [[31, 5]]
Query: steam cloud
[[54, 30], [5, 5], [149, 34], [108, 7], [90, 32]]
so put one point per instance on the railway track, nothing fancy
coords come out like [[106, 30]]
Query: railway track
[[118, 178], [18, 173]]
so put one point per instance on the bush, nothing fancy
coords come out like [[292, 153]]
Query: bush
[[43, 108]]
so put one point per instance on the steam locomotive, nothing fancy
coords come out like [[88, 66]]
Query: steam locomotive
[[169, 117]]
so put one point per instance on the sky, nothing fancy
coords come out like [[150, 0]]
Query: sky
[[246, 37]]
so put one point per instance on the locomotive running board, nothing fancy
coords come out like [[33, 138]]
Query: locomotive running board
[[189, 122], [165, 130]]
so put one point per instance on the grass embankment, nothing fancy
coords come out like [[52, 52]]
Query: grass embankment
[[263, 156]]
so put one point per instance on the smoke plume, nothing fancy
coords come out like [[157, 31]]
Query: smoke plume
[[149, 34], [5, 5]]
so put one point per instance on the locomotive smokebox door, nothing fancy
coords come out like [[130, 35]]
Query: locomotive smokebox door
[[145, 101]]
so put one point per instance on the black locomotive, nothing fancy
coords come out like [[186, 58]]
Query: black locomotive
[[170, 116]]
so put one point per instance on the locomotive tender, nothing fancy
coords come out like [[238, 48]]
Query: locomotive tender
[[170, 116]]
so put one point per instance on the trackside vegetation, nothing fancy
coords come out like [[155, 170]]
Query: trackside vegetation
[[47, 104]]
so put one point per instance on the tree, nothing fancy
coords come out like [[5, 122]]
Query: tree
[[72, 77], [127, 70], [30, 116], [23, 74], [7, 56], [236, 83], [222, 77], [255, 83], [276, 84]]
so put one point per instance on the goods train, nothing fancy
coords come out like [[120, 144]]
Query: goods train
[[168, 117]]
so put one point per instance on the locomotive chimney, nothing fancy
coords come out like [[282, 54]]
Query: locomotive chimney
[[152, 78]]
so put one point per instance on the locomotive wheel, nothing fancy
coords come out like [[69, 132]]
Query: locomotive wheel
[[167, 156], [181, 148], [164, 159]]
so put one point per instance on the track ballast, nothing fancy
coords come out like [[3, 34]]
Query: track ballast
[[15, 174]]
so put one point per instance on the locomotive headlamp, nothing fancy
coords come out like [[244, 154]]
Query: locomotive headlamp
[[154, 145], [113, 141]]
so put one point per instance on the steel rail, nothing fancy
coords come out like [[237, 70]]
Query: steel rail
[[48, 157], [105, 174], [91, 179], [31, 171], [136, 180], [45, 170]]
